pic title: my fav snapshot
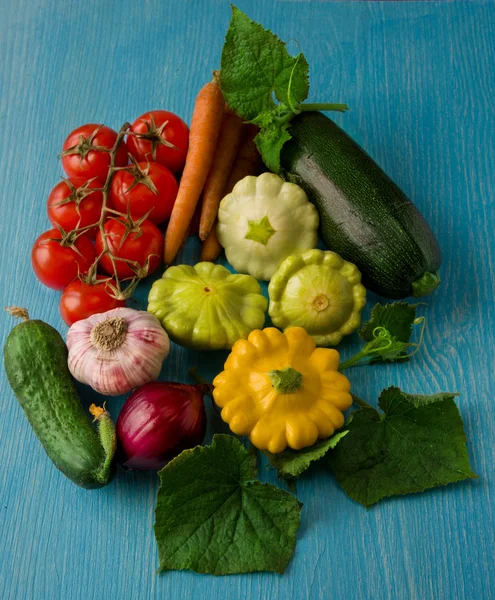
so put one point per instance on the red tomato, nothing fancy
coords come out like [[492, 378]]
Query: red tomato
[[158, 132], [72, 203], [84, 153], [146, 241], [147, 187], [80, 300], [56, 265]]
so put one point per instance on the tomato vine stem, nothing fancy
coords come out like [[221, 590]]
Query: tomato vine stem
[[117, 291]]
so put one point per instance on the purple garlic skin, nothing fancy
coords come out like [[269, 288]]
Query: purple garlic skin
[[117, 351]]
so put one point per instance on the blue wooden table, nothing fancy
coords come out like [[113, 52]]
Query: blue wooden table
[[420, 80]]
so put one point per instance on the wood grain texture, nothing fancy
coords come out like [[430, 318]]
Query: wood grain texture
[[420, 80]]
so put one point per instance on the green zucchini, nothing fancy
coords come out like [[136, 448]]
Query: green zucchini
[[364, 216], [35, 357]]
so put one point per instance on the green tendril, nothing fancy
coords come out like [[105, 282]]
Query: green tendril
[[382, 341], [418, 345], [380, 331], [380, 334], [289, 99]]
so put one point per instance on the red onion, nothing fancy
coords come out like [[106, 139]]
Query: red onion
[[158, 421]]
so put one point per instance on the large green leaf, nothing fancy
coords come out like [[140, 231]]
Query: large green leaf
[[292, 463], [255, 65], [212, 517], [418, 442]]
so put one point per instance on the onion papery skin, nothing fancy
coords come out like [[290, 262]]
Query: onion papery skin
[[158, 421]]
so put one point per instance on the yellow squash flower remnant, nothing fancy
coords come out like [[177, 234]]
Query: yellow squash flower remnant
[[281, 390]]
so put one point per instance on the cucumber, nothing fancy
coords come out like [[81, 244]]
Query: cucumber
[[364, 216], [35, 357]]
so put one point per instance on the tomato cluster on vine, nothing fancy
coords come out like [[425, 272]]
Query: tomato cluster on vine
[[119, 189]]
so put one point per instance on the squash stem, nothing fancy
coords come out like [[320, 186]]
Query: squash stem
[[425, 284], [260, 231], [286, 381]]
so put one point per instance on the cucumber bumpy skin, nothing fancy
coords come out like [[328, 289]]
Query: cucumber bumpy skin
[[35, 358]]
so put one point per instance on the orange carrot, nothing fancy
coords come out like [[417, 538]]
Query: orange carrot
[[225, 154], [194, 224], [203, 135], [211, 248], [247, 162]]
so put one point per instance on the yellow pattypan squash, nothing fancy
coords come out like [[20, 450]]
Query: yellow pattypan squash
[[281, 390]]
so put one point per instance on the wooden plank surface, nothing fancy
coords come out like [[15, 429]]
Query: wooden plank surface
[[420, 80]]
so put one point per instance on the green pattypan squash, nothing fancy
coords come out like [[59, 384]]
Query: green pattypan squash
[[206, 307], [263, 221], [320, 292]]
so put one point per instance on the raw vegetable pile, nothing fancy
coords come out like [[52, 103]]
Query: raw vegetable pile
[[130, 200]]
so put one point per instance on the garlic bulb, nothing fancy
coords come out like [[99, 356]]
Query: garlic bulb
[[118, 350]]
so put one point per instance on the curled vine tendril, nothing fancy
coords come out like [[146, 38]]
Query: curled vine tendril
[[380, 334], [381, 342], [422, 321], [293, 108]]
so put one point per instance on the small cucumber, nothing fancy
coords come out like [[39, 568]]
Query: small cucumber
[[35, 358]]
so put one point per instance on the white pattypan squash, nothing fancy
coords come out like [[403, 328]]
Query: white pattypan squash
[[263, 221]]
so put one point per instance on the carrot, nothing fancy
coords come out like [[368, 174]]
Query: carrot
[[211, 248], [205, 127], [194, 224], [225, 154], [247, 162]]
